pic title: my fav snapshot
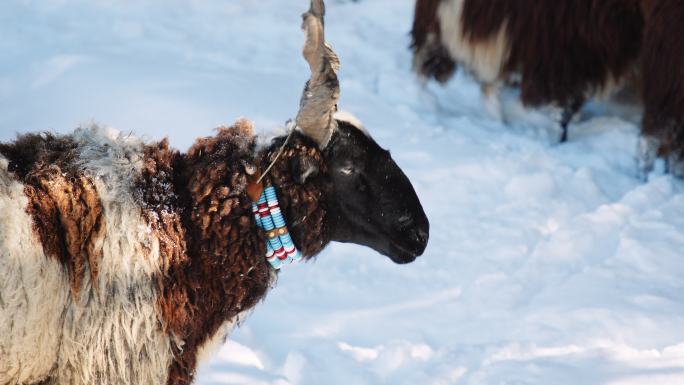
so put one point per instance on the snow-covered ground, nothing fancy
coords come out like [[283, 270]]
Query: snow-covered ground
[[547, 263]]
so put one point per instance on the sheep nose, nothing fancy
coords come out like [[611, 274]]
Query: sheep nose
[[420, 237]]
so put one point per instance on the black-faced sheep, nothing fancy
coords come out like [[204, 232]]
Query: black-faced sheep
[[663, 86], [560, 52], [124, 263]]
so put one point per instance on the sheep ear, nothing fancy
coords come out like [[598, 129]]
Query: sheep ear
[[303, 168], [319, 99]]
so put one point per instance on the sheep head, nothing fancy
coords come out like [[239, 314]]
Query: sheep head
[[373, 202]]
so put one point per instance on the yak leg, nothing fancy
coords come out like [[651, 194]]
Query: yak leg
[[647, 153], [568, 113], [491, 93]]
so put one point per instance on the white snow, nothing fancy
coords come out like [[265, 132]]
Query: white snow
[[547, 263]]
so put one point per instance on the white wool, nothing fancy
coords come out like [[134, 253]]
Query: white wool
[[348, 117], [112, 333], [264, 141], [113, 161], [213, 343], [33, 292]]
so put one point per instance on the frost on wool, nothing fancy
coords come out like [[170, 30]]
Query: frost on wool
[[93, 318]]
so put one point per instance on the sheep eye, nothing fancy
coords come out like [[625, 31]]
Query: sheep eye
[[347, 170]]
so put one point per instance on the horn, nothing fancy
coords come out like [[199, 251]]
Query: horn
[[322, 90]]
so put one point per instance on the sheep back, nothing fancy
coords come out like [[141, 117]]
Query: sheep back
[[123, 262]]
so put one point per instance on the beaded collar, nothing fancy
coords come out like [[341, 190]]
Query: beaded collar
[[280, 250]]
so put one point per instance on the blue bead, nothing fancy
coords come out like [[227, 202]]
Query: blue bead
[[267, 222], [272, 221], [270, 193], [286, 241], [278, 220], [275, 243]]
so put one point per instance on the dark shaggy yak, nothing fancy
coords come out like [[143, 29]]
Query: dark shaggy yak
[[123, 262], [560, 52], [663, 86]]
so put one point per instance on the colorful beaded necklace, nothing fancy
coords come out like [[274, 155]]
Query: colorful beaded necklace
[[280, 250]]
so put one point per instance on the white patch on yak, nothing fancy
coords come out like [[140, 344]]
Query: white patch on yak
[[112, 333], [33, 292], [484, 58], [492, 101]]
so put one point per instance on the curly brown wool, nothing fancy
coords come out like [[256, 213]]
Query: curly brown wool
[[213, 252], [302, 202], [64, 205], [160, 203]]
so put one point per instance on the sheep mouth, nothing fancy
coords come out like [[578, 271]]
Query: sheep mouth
[[401, 254], [409, 246]]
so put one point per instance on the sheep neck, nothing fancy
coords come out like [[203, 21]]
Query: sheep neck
[[212, 254], [303, 195], [215, 268], [280, 249]]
